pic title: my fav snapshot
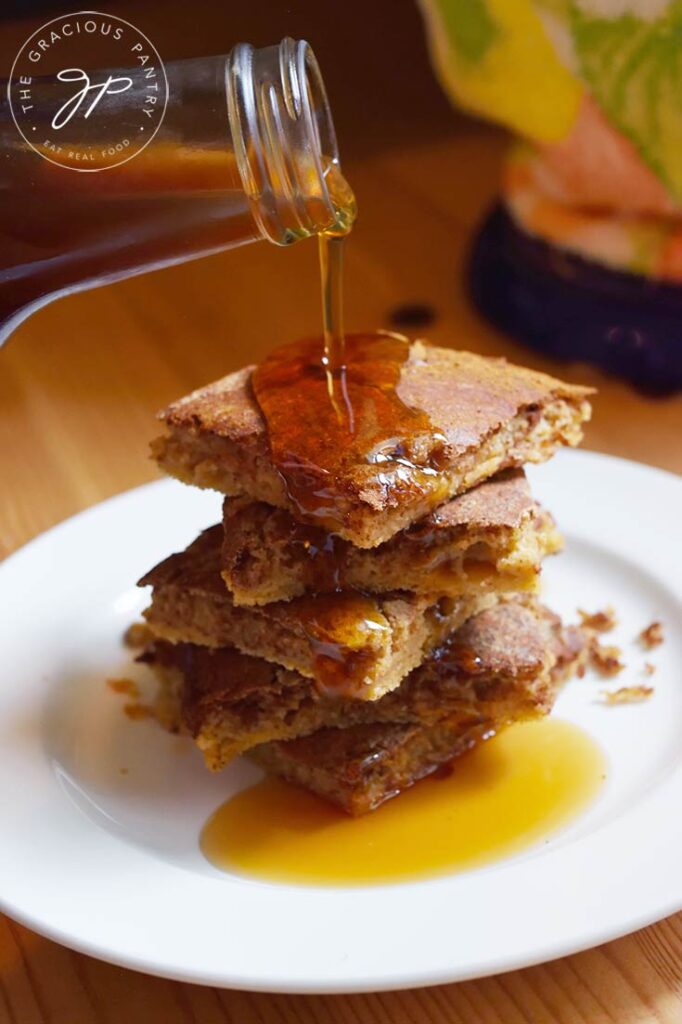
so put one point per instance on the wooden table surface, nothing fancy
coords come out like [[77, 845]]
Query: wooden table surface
[[79, 385]]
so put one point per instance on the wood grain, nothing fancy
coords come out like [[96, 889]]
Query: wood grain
[[80, 383]]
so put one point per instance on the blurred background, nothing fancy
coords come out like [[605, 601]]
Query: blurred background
[[80, 381]]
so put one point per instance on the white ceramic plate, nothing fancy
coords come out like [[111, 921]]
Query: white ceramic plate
[[108, 863]]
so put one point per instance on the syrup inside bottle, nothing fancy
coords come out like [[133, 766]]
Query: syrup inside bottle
[[62, 231], [510, 793]]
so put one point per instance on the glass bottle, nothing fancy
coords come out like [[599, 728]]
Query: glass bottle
[[246, 151]]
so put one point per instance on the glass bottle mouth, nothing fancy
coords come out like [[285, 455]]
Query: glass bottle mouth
[[285, 143]]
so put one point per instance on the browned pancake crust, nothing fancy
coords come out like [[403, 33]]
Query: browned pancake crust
[[505, 660], [492, 538], [351, 644], [489, 415]]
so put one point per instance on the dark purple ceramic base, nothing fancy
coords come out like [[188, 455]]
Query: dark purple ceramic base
[[570, 308]]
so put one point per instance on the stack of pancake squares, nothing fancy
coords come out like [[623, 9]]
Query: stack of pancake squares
[[355, 662]]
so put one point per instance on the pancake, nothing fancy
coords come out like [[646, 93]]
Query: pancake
[[491, 539], [486, 415]]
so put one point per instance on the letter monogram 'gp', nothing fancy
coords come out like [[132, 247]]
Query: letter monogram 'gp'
[[110, 86]]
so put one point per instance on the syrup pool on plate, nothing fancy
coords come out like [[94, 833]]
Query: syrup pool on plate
[[510, 793]]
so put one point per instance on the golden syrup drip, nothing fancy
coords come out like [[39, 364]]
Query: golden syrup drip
[[510, 793], [315, 449], [331, 252], [342, 630], [331, 249]]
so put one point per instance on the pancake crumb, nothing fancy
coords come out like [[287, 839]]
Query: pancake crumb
[[137, 635], [648, 668], [127, 686], [605, 659], [627, 695], [601, 622], [136, 711], [652, 636]]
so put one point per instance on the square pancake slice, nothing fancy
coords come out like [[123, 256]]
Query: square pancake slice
[[360, 767], [351, 644], [503, 663], [492, 538], [484, 415]]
